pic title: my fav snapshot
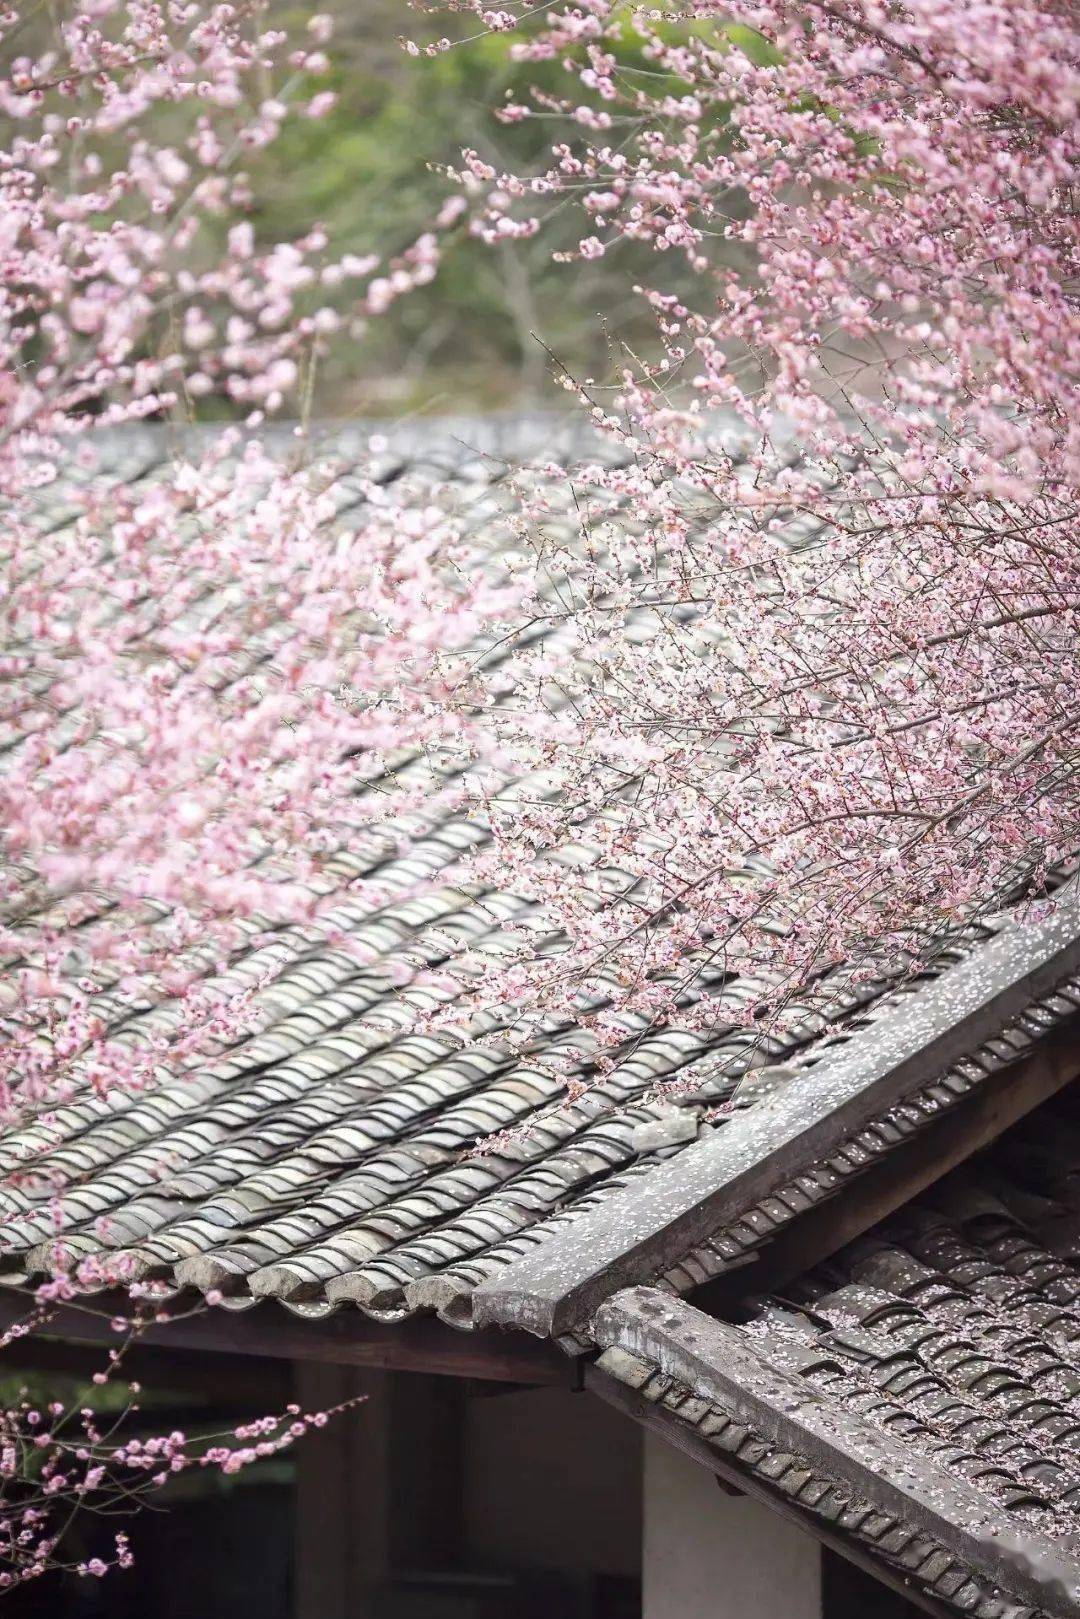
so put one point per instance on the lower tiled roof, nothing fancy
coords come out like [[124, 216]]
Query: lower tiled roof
[[950, 1337]]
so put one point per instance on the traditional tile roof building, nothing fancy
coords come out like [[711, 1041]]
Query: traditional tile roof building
[[777, 1266]]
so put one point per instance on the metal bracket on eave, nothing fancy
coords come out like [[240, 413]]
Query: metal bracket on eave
[[646, 1228], [718, 1364]]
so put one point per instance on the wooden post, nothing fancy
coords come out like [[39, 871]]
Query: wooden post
[[379, 1490], [343, 1508], [427, 1482]]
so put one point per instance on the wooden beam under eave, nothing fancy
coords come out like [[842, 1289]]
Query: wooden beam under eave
[[344, 1339], [261, 1380]]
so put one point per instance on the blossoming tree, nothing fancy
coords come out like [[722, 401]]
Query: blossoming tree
[[824, 607], [192, 661], [811, 698]]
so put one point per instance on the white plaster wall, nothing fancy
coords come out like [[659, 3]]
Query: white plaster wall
[[708, 1555]]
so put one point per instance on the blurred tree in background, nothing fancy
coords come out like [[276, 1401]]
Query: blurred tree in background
[[492, 330], [477, 339]]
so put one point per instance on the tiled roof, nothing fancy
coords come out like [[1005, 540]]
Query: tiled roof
[[327, 1160], [921, 1392], [906, 1067]]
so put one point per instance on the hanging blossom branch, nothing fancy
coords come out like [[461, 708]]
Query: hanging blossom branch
[[820, 705], [59, 1458]]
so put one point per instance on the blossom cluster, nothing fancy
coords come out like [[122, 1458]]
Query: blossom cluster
[[59, 1457], [192, 663]]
